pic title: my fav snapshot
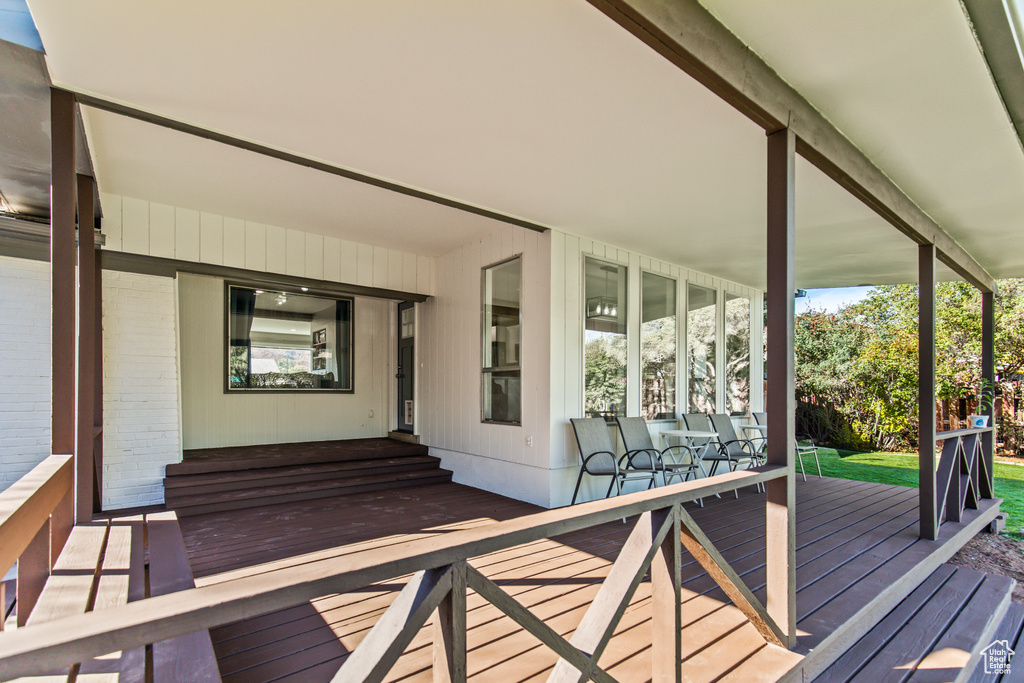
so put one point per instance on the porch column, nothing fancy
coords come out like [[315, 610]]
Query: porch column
[[988, 376], [780, 401], [84, 464], [926, 392], [62, 270]]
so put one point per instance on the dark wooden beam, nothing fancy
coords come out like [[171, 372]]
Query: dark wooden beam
[[62, 269], [926, 392], [689, 36], [297, 159], [780, 400], [84, 466], [988, 376]]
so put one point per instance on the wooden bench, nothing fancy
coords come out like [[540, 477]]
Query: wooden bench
[[111, 563]]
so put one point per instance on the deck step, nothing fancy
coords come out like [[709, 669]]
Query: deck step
[[239, 458], [238, 478], [935, 634], [259, 496]]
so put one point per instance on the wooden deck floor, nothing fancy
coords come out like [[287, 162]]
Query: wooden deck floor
[[857, 549]]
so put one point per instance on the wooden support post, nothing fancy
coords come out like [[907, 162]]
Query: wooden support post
[[780, 400], [34, 567], [84, 469], [926, 392], [666, 623], [62, 268], [97, 411], [988, 376], [450, 631]]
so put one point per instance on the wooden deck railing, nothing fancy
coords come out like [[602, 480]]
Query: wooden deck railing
[[36, 516], [964, 473], [441, 575]]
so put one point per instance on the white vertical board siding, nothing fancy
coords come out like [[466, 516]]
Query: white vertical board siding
[[141, 227], [566, 347], [25, 367], [140, 388], [492, 456], [212, 418]]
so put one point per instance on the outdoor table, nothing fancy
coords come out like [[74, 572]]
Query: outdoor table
[[690, 435]]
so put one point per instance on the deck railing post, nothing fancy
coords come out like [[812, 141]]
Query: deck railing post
[[666, 621], [85, 473], [928, 502], [34, 567], [780, 400], [62, 272], [449, 664], [988, 378]]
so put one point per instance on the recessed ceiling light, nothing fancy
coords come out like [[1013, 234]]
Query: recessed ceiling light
[[259, 291], [294, 330], [305, 289]]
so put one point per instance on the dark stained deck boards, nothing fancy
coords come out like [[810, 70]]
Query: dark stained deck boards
[[1011, 630], [848, 534]]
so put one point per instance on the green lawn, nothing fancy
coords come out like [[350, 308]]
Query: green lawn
[[901, 470]]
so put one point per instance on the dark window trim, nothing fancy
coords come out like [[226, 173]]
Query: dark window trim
[[226, 355]]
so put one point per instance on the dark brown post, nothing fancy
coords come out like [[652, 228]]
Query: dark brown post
[[780, 399], [926, 392], [988, 376], [62, 268], [84, 469]]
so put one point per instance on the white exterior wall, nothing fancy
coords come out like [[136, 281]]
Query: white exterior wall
[[211, 418], [25, 366], [490, 456], [137, 226], [141, 432], [566, 343]]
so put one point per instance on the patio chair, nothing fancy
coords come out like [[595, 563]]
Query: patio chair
[[598, 454], [735, 450], [802, 447], [641, 452]]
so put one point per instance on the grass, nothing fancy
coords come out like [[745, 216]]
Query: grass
[[901, 470]]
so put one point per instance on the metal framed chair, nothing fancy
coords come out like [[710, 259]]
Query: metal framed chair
[[802, 447], [640, 451], [733, 449], [598, 455]]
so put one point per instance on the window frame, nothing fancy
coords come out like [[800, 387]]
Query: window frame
[[485, 339], [298, 291], [584, 257], [680, 340]]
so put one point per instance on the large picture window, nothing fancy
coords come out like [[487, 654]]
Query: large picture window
[[282, 340], [737, 353], [701, 323], [604, 351], [502, 339], [658, 346]]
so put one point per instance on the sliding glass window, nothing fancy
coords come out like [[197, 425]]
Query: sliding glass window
[[284, 340], [658, 346], [737, 354], [604, 339], [502, 336], [701, 325]]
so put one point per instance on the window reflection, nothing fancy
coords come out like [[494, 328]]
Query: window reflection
[[658, 346], [604, 351], [701, 318], [737, 353]]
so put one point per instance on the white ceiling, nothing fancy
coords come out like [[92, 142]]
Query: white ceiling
[[546, 110]]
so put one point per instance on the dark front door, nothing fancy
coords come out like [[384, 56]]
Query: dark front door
[[406, 365]]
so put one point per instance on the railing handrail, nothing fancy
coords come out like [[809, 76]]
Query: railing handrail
[[27, 504], [939, 436], [75, 639]]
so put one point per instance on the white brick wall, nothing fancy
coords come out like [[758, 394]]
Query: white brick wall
[[24, 366], [140, 388]]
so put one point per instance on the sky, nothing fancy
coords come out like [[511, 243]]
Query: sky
[[830, 299]]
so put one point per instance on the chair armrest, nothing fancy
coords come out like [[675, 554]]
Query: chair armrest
[[689, 451], [587, 458], [652, 452]]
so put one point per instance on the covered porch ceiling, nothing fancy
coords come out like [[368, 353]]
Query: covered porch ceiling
[[548, 111]]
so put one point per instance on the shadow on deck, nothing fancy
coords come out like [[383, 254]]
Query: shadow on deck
[[858, 556]]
